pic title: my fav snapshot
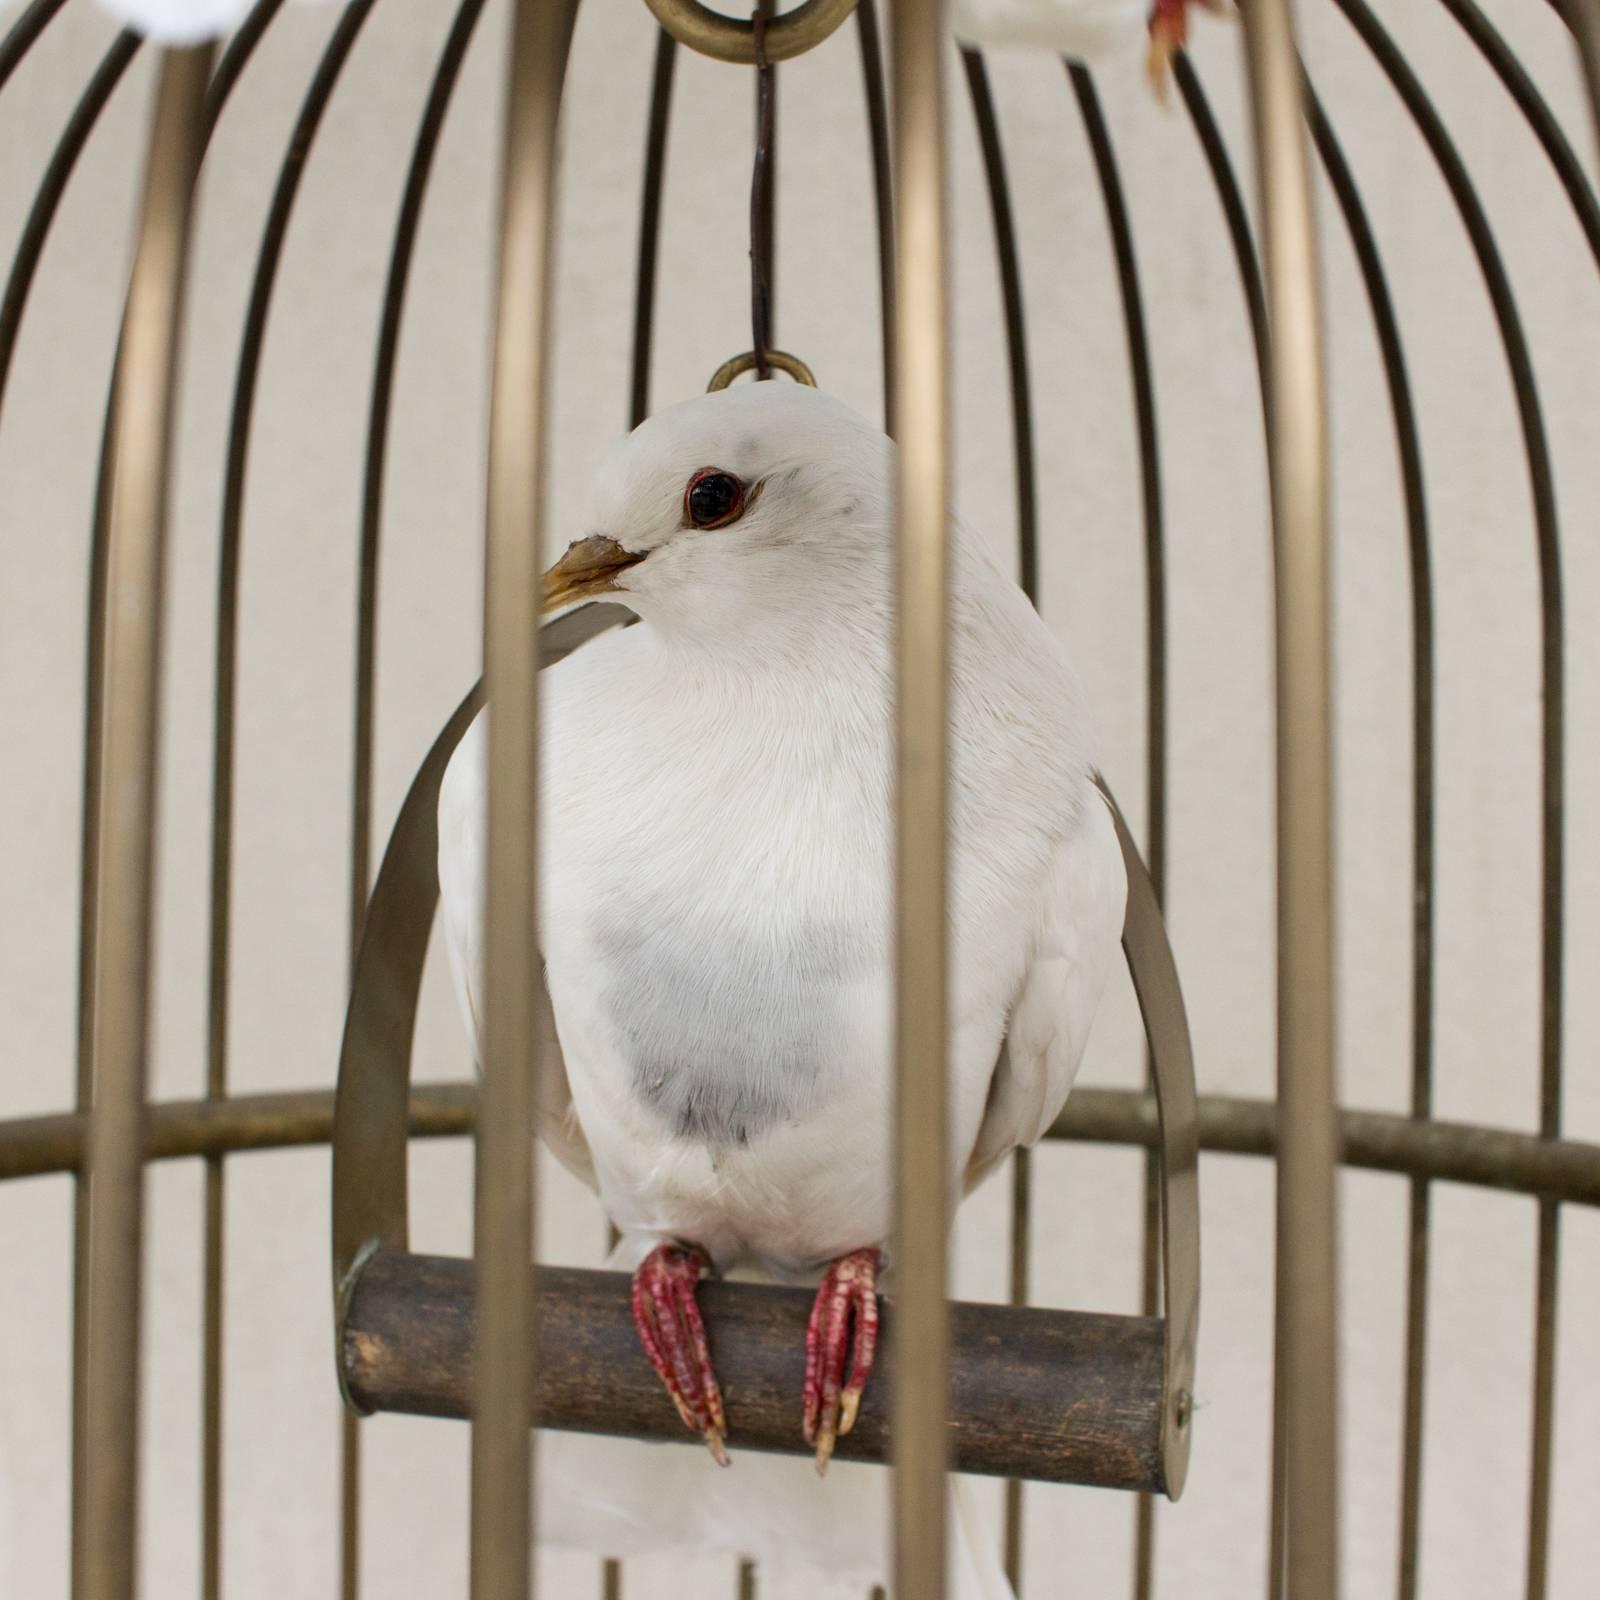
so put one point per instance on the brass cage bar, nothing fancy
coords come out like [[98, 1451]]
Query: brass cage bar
[[1305, 1435], [1373, 1141], [106, 1508], [226, 76], [921, 665], [502, 1440]]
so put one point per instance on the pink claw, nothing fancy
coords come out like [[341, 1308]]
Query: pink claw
[[674, 1338], [849, 1285]]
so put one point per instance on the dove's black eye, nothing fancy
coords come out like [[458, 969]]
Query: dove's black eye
[[713, 499]]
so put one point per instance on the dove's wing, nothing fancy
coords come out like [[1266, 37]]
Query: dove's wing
[[1080, 929], [462, 845]]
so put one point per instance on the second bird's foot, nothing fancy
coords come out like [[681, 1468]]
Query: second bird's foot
[[674, 1338], [844, 1324], [1169, 33]]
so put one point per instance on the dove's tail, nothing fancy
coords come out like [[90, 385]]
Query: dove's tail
[[818, 1537]]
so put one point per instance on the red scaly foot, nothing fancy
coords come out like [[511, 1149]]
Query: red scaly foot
[[848, 1286], [1169, 33], [674, 1338]]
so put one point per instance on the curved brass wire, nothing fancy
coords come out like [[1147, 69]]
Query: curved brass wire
[[1005, 242], [379, 410], [882, 190], [1585, 24], [298, 152], [235, 57], [440, 93], [1144, 400], [1231, 198], [1408, 448], [52, 186], [1237, 221], [655, 168], [1552, 732], [22, 34], [732, 39], [106, 1496], [1154, 974], [994, 170], [1536, 113], [502, 1444], [781, 360]]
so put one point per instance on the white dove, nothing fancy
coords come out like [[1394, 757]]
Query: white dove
[[715, 880]]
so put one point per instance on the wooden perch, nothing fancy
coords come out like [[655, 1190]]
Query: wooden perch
[[1066, 1396]]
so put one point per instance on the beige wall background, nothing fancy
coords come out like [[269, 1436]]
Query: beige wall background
[[295, 720]]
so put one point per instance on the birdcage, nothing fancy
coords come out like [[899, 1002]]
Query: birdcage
[[417, 1332]]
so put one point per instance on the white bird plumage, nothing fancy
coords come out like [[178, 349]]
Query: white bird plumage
[[1083, 29], [715, 900]]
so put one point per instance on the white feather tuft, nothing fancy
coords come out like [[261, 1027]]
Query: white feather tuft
[[1082, 29], [181, 22]]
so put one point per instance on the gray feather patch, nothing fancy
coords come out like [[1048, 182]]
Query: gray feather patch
[[726, 1037]]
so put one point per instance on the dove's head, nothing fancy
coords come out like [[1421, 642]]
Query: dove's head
[[761, 495]]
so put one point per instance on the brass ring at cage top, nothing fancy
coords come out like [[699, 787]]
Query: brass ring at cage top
[[729, 39], [737, 366]]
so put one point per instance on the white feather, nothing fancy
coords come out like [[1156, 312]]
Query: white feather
[[1082, 29], [182, 22]]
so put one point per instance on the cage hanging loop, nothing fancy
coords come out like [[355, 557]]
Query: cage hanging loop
[[778, 360], [725, 38]]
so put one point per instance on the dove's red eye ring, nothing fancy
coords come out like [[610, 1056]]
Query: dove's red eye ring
[[713, 499]]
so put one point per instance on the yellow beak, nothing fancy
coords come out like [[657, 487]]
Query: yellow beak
[[589, 568]]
